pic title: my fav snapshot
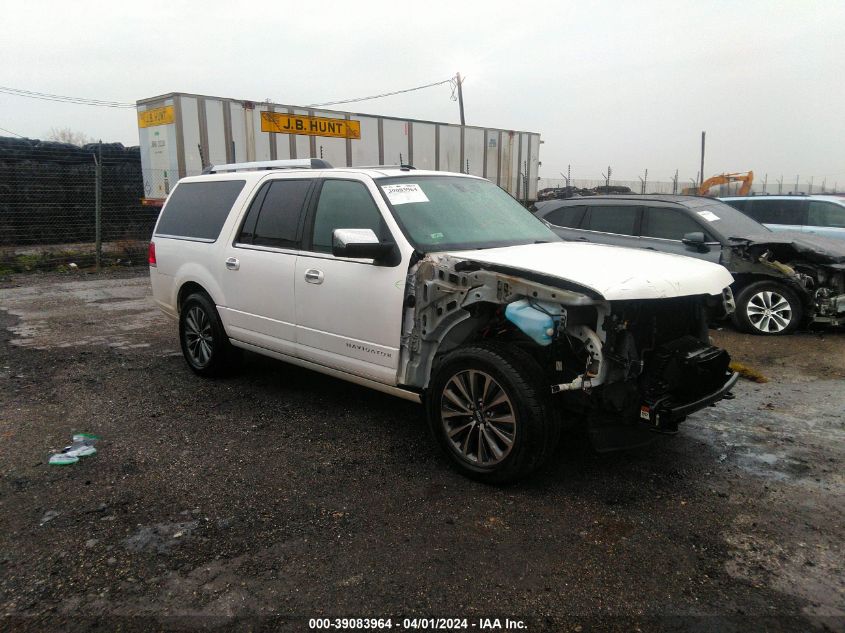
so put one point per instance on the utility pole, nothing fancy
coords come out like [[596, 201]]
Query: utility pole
[[765, 182], [567, 175], [643, 182], [810, 190], [98, 204], [607, 176], [780, 185], [524, 180], [460, 96], [701, 182], [675, 183], [796, 183]]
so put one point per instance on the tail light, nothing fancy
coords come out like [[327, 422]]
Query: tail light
[[152, 254]]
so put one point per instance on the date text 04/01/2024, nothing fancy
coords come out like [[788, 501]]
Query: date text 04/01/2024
[[417, 624]]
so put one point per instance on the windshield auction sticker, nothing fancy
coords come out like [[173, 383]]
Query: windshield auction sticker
[[403, 194], [708, 215]]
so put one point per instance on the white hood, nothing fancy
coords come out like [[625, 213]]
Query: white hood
[[612, 271]]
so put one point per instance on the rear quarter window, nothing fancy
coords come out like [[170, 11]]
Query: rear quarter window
[[565, 216], [198, 210]]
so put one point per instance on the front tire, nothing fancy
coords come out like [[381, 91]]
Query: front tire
[[205, 345], [488, 409], [767, 308]]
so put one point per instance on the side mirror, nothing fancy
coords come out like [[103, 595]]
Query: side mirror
[[363, 244], [697, 240]]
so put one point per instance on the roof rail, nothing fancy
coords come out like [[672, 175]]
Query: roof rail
[[402, 166], [296, 163]]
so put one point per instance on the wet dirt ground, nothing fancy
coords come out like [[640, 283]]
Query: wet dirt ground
[[278, 495]]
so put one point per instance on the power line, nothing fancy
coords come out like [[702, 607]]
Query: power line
[[44, 96], [385, 94], [12, 133]]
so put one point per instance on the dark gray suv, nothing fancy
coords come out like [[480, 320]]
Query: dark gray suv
[[782, 280]]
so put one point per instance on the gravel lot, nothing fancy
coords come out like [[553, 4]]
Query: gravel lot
[[262, 500]]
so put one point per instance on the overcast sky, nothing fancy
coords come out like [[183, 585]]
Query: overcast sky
[[626, 84]]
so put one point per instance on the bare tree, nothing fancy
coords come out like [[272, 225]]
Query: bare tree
[[67, 135]]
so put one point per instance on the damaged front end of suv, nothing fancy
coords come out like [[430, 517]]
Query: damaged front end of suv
[[627, 366], [813, 268]]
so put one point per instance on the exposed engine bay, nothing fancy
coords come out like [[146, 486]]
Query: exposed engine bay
[[814, 267], [645, 362]]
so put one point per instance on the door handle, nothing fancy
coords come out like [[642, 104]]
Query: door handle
[[314, 276], [233, 264]]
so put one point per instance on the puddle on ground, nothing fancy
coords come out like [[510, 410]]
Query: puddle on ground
[[106, 312]]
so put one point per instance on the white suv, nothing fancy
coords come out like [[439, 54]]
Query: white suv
[[817, 215], [439, 288]]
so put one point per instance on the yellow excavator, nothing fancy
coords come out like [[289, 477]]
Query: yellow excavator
[[722, 179]]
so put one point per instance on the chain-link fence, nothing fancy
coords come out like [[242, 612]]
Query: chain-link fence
[[62, 205]]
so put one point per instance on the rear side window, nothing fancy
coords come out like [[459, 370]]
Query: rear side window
[[344, 204], [668, 224], [273, 216], [565, 216], [776, 211], [197, 210], [826, 214], [611, 219]]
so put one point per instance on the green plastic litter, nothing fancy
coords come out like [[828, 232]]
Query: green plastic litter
[[82, 446], [60, 459], [82, 437]]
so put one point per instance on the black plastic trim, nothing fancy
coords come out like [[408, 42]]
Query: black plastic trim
[[674, 413]]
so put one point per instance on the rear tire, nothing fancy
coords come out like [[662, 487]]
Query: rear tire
[[490, 411], [204, 342], [767, 308]]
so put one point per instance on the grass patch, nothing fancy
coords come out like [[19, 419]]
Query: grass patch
[[749, 373], [59, 258]]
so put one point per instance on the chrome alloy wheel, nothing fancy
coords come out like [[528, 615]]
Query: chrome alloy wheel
[[769, 312], [478, 418], [198, 336]]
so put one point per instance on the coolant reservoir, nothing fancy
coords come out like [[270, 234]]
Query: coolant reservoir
[[537, 319]]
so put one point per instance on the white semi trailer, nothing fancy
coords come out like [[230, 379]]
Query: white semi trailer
[[181, 134]]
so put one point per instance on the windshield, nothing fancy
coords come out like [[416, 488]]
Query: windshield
[[439, 213], [728, 221]]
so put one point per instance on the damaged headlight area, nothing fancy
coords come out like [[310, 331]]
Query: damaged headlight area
[[656, 364], [633, 364], [825, 289], [812, 267]]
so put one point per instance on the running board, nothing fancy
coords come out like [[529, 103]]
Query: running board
[[335, 373]]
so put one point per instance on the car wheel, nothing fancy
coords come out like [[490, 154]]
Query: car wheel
[[490, 411], [205, 345], [767, 308]]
